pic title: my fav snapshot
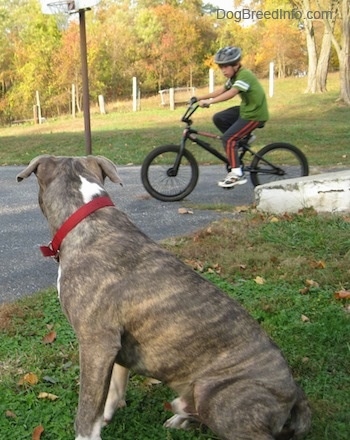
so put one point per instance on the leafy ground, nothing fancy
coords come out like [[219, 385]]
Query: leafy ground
[[290, 272]]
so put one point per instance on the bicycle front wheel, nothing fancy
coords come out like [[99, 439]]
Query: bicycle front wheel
[[278, 161], [160, 178]]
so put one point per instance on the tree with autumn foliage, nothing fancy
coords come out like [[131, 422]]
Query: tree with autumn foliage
[[164, 43]]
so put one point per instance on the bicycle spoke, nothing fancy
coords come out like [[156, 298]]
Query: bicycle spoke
[[162, 181], [278, 162]]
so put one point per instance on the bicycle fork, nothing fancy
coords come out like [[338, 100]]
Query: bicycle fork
[[175, 168]]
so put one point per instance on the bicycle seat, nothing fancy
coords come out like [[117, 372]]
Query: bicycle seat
[[248, 136]]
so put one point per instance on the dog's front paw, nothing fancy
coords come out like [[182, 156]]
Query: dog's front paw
[[177, 422]]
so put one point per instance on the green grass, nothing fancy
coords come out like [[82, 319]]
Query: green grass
[[295, 303], [317, 124]]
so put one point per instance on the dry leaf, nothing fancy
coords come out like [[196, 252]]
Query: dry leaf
[[274, 220], [50, 337], [318, 264], [10, 414], [195, 264], [48, 396], [150, 381], [184, 211], [304, 291], [342, 294], [242, 208], [37, 432], [305, 318], [311, 283], [215, 269], [168, 406], [29, 378], [259, 280]]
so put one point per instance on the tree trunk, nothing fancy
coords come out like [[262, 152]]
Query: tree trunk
[[311, 48], [323, 61], [325, 52], [345, 54]]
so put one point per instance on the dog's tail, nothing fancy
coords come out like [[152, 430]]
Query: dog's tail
[[300, 419]]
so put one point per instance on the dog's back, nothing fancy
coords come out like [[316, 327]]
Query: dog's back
[[131, 301]]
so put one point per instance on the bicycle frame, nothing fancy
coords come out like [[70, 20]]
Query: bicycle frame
[[191, 134]]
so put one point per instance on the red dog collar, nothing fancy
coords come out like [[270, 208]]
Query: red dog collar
[[53, 248]]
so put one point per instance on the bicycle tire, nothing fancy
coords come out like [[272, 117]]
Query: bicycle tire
[[157, 177], [278, 161]]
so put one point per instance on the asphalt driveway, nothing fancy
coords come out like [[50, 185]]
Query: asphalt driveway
[[23, 228]]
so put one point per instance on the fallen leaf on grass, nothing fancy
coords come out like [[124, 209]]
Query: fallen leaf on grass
[[311, 283], [304, 291], [48, 396], [29, 378], [168, 406], [305, 318], [195, 264], [37, 432], [150, 381], [50, 337], [10, 414], [342, 294], [184, 211], [215, 269], [318, 264], [259, 280], [242, 208]]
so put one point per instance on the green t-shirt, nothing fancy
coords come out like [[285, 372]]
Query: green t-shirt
[[254, 105]]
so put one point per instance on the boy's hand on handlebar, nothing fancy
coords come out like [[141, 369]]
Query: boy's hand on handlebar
[[204, 103]]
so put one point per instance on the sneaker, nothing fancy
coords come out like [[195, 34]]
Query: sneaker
[[231, 180]]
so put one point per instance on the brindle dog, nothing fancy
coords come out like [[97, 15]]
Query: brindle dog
[[133, 305]]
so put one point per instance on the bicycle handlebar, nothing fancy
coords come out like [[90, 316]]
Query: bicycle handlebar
[[192, 107]]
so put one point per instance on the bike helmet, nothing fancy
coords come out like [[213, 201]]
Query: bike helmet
[[228, 55]]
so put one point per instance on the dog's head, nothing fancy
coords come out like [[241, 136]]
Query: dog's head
[[70, 179]]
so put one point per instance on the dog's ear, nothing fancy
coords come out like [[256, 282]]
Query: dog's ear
[[108, 169], [31, 168]]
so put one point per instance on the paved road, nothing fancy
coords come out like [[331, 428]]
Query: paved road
[[22, 226]]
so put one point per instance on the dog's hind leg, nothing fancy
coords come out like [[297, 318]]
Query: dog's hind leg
[[243, 410], [96, 365], [116, 393]]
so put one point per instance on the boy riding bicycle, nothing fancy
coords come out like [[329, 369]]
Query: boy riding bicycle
[[236, 122]]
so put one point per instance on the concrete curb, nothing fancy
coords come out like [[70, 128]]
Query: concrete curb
[[329, 192]]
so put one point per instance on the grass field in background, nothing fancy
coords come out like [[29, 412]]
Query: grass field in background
[[316, 123]]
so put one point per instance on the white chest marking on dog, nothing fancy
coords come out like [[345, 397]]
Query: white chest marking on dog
[[89, 189]]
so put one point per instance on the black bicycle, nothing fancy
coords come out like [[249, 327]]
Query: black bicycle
[[170, 172]]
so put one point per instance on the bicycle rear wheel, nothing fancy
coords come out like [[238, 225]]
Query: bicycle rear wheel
[[162, 181], [278, 161]]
